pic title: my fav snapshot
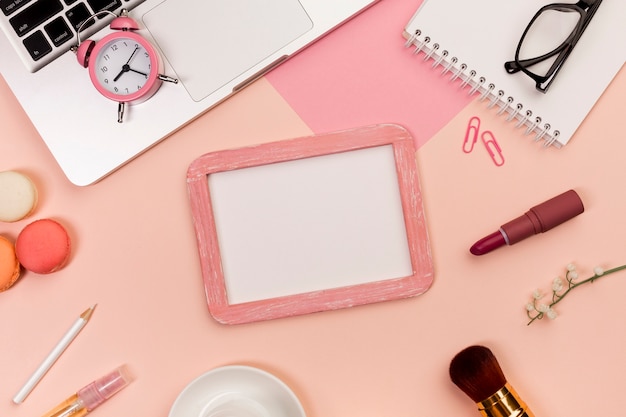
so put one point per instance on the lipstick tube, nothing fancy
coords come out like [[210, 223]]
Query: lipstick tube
[[538, 219], [92, 395]]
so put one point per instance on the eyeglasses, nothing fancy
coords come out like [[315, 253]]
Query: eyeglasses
[[549, 38]]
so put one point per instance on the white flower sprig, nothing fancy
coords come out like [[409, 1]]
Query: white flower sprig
[[536, 309]]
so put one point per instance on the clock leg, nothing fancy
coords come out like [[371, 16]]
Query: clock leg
[[120, 111], [168, 79]]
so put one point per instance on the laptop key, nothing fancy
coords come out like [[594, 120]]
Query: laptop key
[[58, 31], [11, 6], [78, 14], [37, 45], [99, 5], [32, 16]]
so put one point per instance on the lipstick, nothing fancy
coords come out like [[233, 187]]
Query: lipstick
[[538, 219]]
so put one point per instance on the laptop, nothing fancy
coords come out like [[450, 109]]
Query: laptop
[[214, 48]]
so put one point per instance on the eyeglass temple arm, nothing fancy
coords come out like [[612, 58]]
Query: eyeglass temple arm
[[514, 66]]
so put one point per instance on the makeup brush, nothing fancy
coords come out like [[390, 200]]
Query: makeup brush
[[475, 370]]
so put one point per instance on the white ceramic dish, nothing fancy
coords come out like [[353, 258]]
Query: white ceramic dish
[[237, 391]]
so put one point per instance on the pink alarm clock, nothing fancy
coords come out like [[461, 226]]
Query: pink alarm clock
[[123, 66]]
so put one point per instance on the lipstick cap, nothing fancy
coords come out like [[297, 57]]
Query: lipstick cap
[[104, 388], [558, 210], [544, 216]]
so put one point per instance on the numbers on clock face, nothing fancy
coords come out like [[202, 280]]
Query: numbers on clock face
[[123, 66]]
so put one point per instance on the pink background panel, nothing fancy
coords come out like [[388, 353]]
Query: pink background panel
[[363, 74]]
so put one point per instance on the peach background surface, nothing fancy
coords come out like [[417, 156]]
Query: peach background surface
[[135, 256]]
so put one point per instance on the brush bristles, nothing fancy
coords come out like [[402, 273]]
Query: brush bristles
[[475, 370]]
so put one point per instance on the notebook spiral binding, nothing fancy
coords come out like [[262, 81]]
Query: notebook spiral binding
[[478, 85]]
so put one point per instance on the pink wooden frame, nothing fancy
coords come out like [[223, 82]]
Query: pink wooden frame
[[299, 148]]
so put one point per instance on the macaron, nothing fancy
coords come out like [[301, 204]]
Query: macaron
[[9, 265], [43, 246], [18, 196]]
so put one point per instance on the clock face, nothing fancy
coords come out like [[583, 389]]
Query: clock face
[[123, 66]]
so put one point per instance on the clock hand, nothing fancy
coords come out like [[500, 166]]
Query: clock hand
[[138, 72], [117, 77], [126, 67], [132, 55]]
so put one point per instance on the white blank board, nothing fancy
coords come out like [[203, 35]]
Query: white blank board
[[307, 225]]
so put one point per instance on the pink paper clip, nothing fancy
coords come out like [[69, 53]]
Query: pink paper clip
[[495, 152], [471, 134]]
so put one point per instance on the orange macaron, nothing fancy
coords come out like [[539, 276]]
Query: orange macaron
[[43, 246], [9, 265]]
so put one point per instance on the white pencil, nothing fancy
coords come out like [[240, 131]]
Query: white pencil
[[56, 352]]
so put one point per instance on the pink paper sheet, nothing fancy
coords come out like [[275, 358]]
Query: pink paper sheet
[[362, 74]]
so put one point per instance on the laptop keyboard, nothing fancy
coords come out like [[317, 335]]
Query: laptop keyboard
[[42, 30]]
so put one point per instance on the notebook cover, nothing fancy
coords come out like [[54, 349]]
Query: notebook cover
[[483, 34]]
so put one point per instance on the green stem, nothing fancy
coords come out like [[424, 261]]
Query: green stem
[[556, 297], [538, 316]]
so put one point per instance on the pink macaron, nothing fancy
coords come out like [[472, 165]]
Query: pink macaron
[[43, 246]]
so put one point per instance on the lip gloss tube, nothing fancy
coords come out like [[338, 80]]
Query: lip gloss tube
[[91, 396]]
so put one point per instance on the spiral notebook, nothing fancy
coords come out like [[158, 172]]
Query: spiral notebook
[[469, 42]]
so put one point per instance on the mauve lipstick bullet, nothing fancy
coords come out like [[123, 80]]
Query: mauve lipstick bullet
[[538, 219]]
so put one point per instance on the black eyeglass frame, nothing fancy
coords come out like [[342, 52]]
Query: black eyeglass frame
[[586, 9]]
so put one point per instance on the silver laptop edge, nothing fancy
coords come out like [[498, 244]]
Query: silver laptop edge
[[79, 126]]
